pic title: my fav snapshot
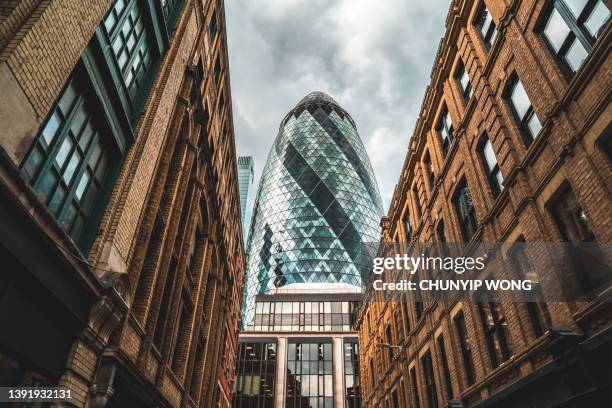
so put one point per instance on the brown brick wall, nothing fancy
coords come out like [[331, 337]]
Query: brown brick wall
[[181, 165], [574, 113]]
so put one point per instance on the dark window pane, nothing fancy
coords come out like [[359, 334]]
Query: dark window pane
[[57, 200], [33, 162], [47, 185]]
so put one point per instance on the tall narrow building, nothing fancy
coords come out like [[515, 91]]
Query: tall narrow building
[[317, 208], [245, 184]]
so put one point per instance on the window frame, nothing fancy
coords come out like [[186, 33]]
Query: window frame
[[133, 100], [577, 32], [491, 35], [428, 165], [445, 367], [522, 123], [415, 386], [464, 346], [492, 173], [495, 335], [85, 102], [429, 379], [468, 91], [470, 216], [408, 225], [445, 132], [171, 14]]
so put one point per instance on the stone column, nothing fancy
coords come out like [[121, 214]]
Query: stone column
[[281, 373], [338, 357]]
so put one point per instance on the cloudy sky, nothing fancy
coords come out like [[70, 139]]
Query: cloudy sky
[[372, 57]]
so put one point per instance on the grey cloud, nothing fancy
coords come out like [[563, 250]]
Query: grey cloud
[[374, 60]]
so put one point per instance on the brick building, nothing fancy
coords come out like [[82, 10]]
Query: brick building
[[512, 144], [121, 241]]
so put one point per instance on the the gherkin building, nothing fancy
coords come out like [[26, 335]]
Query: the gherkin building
[[317, 205]]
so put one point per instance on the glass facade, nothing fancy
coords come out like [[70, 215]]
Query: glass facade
[[256, 374], [309, 375], [304, 316], [245, 186], [317, 204], [352, 383]]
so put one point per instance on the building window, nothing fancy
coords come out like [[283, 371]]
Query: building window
[[571, 219], [485, 24], [70, 162], [395, 399], [415, 388], [538, 311], [181, 337], [605, 142], [464, 82], [445, 368], [417, 201], [418, 307], [466, 351], [493, 322], [309, 375], [465, 211], [304, 316], [255, 375], [430, 381], [351, 375], [408, 225], [218, 69], [164, 309], [389, 339], [441, 232], [441, 236], [131, 47], [372, 375], [429, 170], [212, 27], [572, 27], [199, 355], [574, 226], [445, 129], [522, 110], [406, 318], [491, 167], [196, 241]]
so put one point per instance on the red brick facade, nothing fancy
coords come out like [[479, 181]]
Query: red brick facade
[[571, 153]]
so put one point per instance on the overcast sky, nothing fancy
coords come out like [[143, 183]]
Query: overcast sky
[[373, 57]]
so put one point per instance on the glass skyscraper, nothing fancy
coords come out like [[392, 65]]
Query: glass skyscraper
[[317, 203], [245, 187], [317, 208]]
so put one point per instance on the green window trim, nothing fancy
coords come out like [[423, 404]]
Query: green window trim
[[72, 162], [171, 9], [132, 49]]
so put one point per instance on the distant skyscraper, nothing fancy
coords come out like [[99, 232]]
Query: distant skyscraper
[[245, 185], [317, 205]]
